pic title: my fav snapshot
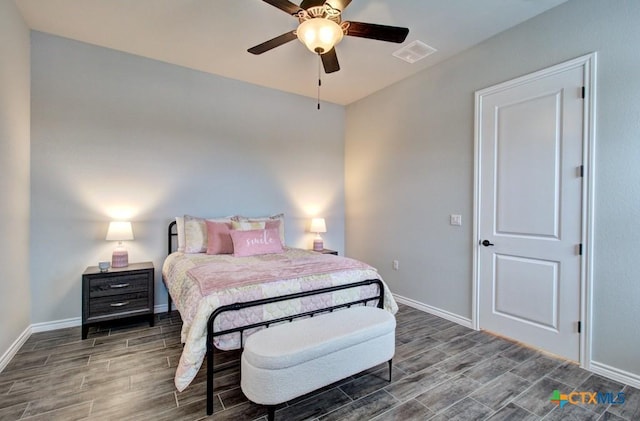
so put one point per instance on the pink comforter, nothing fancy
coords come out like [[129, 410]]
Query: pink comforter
[[270, 267]]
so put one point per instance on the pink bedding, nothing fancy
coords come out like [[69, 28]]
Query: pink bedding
[[212, 277], [289, 272]]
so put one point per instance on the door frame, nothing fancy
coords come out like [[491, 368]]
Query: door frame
[[588, 64]]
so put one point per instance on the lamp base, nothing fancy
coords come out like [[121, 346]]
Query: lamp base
[[120, 259], [318, 244]]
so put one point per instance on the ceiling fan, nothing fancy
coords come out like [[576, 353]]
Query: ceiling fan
[[321, 28]]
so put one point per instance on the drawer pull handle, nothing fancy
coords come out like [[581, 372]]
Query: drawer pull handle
[[124, 303], [119, 285]]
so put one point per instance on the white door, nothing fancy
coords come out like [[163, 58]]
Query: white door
[[529, 207]]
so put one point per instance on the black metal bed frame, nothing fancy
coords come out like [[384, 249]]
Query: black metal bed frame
[[211, 334]]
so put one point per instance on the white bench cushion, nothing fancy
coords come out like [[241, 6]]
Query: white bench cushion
[[293, 343], [289, 360]]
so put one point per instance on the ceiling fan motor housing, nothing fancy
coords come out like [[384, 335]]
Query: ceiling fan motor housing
[[326, 12]]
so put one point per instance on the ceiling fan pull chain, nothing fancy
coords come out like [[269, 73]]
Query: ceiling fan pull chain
[[319, 78]]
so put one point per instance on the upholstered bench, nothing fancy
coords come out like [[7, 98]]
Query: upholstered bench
[[289, 360]]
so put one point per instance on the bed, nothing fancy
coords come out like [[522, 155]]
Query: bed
[[220, 306]]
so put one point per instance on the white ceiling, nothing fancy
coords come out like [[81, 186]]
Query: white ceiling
[[213, 36]]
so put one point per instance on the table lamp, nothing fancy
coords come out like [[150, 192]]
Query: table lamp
[[119, 231], [318, 225]]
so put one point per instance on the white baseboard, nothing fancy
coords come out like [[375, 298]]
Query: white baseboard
[[56, 324], [160, 308], [14, 348], [435, 311], [76, 321], [616, 374]]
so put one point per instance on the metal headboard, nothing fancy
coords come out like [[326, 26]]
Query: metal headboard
[[172, 245], [172, 237]]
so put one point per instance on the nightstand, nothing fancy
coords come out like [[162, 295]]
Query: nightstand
[[328, 251], [119, 293]]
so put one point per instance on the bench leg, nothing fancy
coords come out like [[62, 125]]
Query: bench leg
[[272, 413], [390, 367]]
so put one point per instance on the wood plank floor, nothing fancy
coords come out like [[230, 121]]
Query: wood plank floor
[[442, 371]]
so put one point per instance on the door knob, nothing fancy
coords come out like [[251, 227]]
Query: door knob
[[486, 243]]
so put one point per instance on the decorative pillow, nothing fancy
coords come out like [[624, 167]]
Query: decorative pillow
[[254, 242], [277, 217], [195, 235], [180, 230], [271, 223], [247, 225], [218, 238]]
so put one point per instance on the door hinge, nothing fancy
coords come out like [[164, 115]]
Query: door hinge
[[580, 249], [579, 326], [583, 92], [581, 170]]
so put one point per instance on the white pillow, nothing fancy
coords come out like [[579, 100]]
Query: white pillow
[[180, 229]]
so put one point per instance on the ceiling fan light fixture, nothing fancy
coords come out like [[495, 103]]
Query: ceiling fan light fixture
[[320, 35]]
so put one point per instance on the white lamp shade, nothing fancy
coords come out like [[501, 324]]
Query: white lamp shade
[[318, 225], [119, 231], [320, 35]]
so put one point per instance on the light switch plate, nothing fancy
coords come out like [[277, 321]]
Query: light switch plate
[[455, 219]]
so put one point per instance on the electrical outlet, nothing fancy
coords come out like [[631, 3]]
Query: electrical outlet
[[455, 220], [396, 265]]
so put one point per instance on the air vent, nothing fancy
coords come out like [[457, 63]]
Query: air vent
[[417, 50]]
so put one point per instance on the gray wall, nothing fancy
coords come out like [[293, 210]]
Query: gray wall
[[409, 164], [116, 135], [14, 175]]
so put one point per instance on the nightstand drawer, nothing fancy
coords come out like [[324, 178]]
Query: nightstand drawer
[[119, 304], [116, 285]]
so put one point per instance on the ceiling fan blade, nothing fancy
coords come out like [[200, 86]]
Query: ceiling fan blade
[[379, 32], [339, 4], [284, 5], [306, 4], [273, 43], [330, 61]]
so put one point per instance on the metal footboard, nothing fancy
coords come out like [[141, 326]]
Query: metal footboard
[[211, 334]]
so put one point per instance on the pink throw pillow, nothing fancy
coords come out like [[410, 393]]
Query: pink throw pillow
[[254, 242], [218, 238], [272, 223]]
